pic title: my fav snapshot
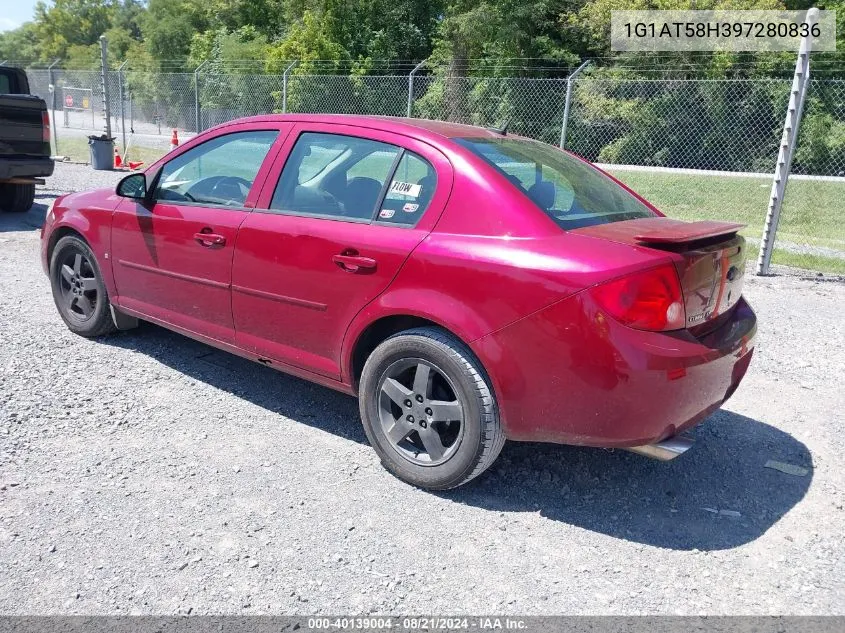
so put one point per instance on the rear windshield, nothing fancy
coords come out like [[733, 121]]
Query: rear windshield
[[569, 191]]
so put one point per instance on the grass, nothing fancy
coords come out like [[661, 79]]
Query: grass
[[811, 217], [76, 148], [805, 261]]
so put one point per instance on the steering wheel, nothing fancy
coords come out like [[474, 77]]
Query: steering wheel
[[231, 189]]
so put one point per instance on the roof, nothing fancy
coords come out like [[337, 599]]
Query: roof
[[387, 123]]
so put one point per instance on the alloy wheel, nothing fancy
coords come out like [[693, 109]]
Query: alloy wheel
[[78, 285], [420, 412]]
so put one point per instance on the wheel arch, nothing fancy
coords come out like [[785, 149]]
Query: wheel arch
[[370, 335], [373, 334], [95, 235], [58, 234]]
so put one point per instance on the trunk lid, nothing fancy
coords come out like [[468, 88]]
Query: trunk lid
[[22, 127], [710, 260]]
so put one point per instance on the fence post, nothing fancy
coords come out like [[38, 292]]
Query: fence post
[[104, 63], [569, 82], [787, 145], [197, 107], [411, 87], [290, 67], [53, 105], [122, 110]]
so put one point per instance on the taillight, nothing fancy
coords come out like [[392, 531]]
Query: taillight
[[45, 127], [648, 300]]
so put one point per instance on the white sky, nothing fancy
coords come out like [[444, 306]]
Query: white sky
[[13, 13]]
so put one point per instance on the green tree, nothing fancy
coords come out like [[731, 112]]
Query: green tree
[[68, 23], [20, 44]]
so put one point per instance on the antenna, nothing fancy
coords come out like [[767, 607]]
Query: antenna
[[501, 130]]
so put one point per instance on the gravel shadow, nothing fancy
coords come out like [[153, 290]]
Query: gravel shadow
[[32, 219], [268, 388], [718, 495], [689, 503]]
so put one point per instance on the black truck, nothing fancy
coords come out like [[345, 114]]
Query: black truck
[[24, 141]]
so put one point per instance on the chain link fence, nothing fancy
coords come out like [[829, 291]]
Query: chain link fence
[[698, 148]]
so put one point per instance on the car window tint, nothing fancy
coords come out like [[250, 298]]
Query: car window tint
[[218, 172], [410, 191], [568, 190], [335, 176]]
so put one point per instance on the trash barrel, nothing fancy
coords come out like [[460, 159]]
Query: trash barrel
[[102, 152]]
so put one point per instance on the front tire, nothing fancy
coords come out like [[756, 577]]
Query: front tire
[[428, 410], [78, 289], [16, 198]]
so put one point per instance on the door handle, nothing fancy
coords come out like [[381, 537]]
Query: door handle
[[209, 239], [351, 262]]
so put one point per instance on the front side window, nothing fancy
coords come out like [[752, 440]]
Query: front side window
[[569, 191], [219, 172], [335, 176]]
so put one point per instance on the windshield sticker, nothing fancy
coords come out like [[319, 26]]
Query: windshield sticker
[[386, 213], [405, 189], [410, 207]]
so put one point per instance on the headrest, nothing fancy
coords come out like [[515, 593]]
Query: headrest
[[543, 194]]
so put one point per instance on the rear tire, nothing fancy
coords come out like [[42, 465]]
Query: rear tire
[[428, 410], [16, 198], [78, 289]]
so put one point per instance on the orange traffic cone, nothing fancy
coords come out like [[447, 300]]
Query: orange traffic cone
[[118, 161], [174, 140]]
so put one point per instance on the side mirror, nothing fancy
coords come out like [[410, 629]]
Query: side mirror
[[133, 186]]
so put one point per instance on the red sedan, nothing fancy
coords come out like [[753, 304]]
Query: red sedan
[[466, 284]]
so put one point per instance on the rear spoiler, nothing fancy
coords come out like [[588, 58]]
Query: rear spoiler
[[667, 231]]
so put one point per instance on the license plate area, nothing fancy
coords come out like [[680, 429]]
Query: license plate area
[[712, 279]]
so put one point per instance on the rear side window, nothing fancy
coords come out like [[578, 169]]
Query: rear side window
[[12, 82], [410, 191], [569, 191], [334, 176]]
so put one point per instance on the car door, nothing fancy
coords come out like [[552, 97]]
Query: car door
[[172, 254], [329, 233]]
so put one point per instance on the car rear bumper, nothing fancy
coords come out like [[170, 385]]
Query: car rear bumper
[[570, 374], [26, 167]]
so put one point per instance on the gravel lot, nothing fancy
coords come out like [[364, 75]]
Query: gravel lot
[[147, 473]]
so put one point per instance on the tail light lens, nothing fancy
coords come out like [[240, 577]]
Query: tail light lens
[[648, 300], [45, 127]]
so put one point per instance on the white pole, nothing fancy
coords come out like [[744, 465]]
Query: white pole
[[569, 82], [197, 106], [53, 106], [411, 87], [787, 145], [122, 109], [105, 72], [285, 86]]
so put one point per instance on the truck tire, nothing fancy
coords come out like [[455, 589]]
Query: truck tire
[[16, 198]]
